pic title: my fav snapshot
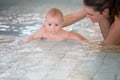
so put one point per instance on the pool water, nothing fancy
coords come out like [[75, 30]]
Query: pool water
[[46, 60]]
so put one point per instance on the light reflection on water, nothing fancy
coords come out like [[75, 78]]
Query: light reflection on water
[[16, 22]]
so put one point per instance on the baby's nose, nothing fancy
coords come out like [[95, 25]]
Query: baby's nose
[[52, 27]]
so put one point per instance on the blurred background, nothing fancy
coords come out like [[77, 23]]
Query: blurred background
[[5, 4]]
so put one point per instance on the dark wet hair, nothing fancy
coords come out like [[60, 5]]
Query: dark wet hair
[[100, 5]]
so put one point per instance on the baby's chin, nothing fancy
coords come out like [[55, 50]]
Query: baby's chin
[[54, 31]]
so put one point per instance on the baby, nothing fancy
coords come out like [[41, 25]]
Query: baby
[[52, 29]]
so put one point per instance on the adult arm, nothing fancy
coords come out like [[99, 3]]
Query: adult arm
[[113, 37], [105, 27], [74, 17]]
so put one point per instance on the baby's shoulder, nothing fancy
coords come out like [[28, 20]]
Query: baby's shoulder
[[64, 31], [43, 29]]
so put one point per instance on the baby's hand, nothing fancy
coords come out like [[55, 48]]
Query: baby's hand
[[20, 42], [17, 42], [26, 41]]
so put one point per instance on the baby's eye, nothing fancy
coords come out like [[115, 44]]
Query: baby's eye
[[56, 24], [49, 24]]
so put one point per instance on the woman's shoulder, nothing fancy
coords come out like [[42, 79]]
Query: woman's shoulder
[[117, 19], [116, 22]]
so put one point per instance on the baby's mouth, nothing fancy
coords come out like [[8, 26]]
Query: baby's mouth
[[52, 31]]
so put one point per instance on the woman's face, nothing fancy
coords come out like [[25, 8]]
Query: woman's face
[[95, 16]]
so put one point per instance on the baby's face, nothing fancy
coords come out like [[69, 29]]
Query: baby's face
[[53, 24]]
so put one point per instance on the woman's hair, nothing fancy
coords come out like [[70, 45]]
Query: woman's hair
[[100, 5]]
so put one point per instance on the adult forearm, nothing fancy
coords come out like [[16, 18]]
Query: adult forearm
[[69, 19], [72, 18], [104, 27]]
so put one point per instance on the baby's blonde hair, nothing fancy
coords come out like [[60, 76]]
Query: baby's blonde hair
[[54, 12]]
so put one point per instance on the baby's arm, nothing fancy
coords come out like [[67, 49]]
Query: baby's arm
[[35, 36], [77, 36]]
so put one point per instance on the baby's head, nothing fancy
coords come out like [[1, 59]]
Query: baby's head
[[54, 19]]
